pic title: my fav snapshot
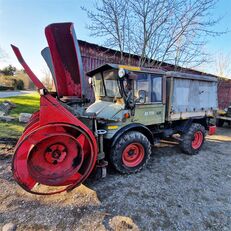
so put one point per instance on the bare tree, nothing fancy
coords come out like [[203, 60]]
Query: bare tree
[[172, 31], [110, 20], [47, 79], [223, 66]]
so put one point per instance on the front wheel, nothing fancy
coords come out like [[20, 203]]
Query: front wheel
[[131, 152], [193, 139]]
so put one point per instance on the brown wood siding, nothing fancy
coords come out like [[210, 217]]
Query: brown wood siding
[[224, 93]]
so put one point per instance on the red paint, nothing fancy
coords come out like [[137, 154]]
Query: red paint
[[66, 59], [133, 155], [198, 140], [55, 167], [57, 152], [32, 76], [51, 126], [212, 130], [56, 149]]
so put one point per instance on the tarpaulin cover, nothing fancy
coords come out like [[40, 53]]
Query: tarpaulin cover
[[193, 95]]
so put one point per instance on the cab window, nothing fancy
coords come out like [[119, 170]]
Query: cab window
[[111, 84], [156, 88], [141, 83], [151, 84], [98, 85]]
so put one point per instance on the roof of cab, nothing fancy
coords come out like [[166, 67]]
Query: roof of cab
[[168, 74], [109, 66]]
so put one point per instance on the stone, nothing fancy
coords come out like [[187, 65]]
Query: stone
[[6, 118], [121, 223], [24, 117], [9, 227], [12, 105], [5, 107]]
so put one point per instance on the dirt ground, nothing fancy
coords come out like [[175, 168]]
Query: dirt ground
[[174, 192]]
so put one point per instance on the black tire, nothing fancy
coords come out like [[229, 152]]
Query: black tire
[[124, 142], [188, 138], [219, 122]]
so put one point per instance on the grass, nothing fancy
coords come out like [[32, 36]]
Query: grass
[[24, 103], [11, 129]]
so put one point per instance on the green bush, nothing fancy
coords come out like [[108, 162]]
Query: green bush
[[20, 85], [4, 88]]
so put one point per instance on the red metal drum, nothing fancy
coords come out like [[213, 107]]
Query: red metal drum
[[56, 148], [54, 155]]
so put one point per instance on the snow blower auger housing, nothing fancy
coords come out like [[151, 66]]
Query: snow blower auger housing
[[67, 140]]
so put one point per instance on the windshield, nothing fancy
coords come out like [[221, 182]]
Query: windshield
[[110, 85], [98, 85]]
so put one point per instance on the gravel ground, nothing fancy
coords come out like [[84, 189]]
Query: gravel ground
[[174, 192]]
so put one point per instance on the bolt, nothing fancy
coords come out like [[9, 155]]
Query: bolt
[[56, 154]]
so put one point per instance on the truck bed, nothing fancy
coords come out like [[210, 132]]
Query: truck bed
[[190, 96]]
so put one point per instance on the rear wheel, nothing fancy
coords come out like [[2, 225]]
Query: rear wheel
[[193, 139], [131, 152]]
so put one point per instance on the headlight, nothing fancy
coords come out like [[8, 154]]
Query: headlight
[[121, 73]]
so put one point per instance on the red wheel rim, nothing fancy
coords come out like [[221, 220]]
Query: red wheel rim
[[50, 161], [133, 155], [198, 140]]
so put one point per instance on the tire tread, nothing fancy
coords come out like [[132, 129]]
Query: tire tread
[[116, 151], [186, 143]]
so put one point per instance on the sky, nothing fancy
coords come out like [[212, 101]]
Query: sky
[[22, 23]]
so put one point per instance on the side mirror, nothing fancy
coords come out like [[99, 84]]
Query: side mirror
[[121, 73], [90, 81], [142, 96]]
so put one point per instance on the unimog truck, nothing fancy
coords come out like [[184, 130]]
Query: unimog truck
[[134, 107]]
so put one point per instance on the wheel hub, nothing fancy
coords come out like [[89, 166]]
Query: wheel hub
[[131, 152], [133, 155], [50, 162], [56, 153], [198, 140]]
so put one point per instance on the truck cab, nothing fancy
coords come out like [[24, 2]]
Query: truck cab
[[126, 94]]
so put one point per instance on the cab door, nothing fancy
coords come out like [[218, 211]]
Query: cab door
[[152, 111]]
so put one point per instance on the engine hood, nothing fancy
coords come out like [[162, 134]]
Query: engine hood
[[106, 110]]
